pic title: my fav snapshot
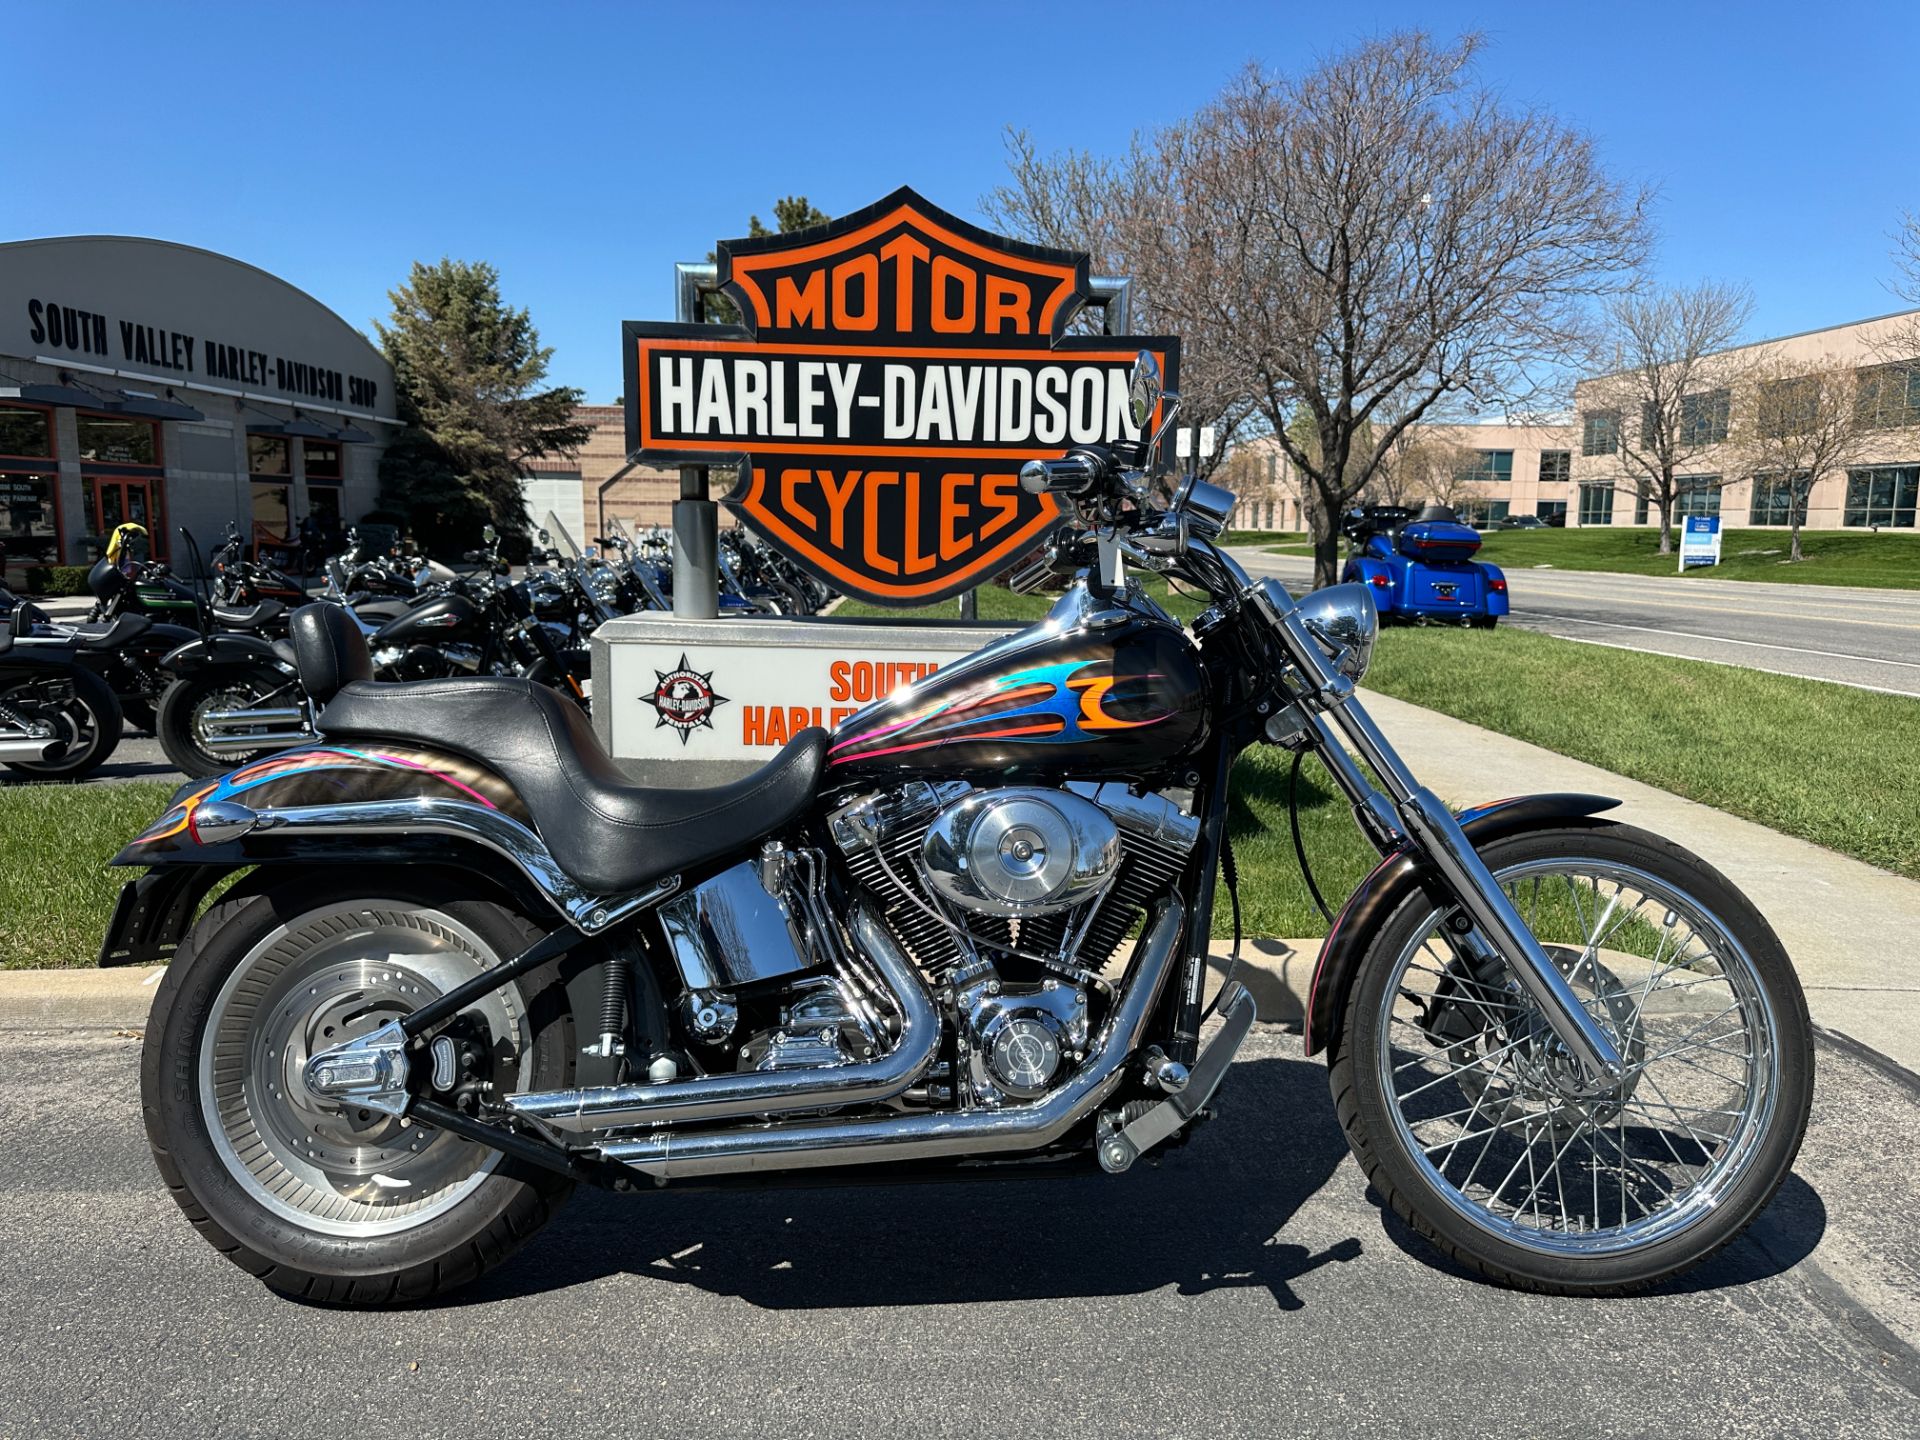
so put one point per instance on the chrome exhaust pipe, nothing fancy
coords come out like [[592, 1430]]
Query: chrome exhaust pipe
[[676, 1155], [15, 749], [269, 740], [215, 721], [753, 1092]]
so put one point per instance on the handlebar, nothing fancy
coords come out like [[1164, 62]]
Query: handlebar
[[1076, 473]]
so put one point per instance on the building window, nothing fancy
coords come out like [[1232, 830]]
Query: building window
[[1776, 499], [1547, 509], [1556, 467], [1482, 513], [1889, 395], [1596, 504], [1696, 495], [323, 494], [1600, 432], [1488, 467], [29, 524], [270, 467], [1703, 417], [114, 441], [1882, 495], [268, 455], [26, 434], [1788, 407], [323, 460]]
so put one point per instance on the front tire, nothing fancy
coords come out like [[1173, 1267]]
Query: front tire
[[320, 1199], [1445, 1078]]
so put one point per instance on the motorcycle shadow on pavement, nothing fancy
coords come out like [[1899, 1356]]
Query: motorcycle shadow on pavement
[[1783, 1235], [1209, 1217]]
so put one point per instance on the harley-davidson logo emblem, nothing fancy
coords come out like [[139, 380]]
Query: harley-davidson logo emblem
[[894, 370], [684, 699]]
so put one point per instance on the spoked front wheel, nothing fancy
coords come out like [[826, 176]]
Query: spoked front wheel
[[1460, 1104]]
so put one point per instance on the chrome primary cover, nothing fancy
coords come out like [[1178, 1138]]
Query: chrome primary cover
[[1020, 852]]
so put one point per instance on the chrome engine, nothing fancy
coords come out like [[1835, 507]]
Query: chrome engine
[[1008, 901], [1012, 900]]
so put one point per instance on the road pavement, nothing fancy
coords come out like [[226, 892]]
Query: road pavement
[[1249, 1286], [1867, 638]]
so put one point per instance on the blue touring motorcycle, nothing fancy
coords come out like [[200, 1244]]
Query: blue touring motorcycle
[[1420, 566]]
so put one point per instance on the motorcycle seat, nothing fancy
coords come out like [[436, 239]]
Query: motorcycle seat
[[608, 834], [248, 617], [122, 629]]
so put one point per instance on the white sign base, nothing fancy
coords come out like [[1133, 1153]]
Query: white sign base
[[700, 702]]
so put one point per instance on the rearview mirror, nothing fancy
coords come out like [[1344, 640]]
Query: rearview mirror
[[1143, 389], [489, 534]]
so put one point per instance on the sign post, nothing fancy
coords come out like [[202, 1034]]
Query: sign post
[[1699, 541]]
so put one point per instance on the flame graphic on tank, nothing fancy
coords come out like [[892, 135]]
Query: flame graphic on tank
[[1050, 704]]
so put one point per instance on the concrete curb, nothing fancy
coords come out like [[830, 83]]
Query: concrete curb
[[76, 999], [1277, 973]]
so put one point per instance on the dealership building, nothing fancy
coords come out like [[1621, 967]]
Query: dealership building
[[1573, 473], [158, 383]]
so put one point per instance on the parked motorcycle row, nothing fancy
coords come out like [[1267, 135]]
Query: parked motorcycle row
[[213, 676]]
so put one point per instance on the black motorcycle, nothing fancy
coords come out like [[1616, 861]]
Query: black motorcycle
[[471, 965], [58, 720]]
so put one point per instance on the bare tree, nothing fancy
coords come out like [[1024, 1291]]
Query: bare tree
[[1795, 422], [1665, 400], [1904, 342], [1381, 239], [1427, 467], [1075, 200], [1370, 242]]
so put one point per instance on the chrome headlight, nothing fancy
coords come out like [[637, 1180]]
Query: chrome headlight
[[1344, 622]]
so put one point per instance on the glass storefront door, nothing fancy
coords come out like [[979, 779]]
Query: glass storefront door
[[114, 500]]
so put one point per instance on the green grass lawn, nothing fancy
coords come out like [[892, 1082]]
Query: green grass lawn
[[56, 892], [1833, 557], [1827, 763]]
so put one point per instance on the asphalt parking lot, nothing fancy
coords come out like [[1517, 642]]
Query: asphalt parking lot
[[1866, 638], [1249, 1286]]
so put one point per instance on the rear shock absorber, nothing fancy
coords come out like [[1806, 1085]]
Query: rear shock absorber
[[613, 1008]]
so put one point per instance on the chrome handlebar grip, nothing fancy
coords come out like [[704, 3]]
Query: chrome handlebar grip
[[1072, 475]]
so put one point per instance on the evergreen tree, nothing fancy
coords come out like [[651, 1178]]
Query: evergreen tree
[[790, 213], [470, 370]]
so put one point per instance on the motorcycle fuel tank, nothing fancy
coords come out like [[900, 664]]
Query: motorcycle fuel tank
[[444, 618], [1121, 698]]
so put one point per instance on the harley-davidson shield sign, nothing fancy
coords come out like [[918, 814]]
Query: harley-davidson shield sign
[[894, 370]]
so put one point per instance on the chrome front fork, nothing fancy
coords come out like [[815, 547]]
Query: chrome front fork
[[1411, 811]]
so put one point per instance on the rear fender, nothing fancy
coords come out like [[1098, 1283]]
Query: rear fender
[[223, 651], [1401, 875], [373, 805]]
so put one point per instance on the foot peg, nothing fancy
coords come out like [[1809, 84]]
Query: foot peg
[[1126, 1135]]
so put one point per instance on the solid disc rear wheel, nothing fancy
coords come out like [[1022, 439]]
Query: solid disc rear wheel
[[319, 1197]]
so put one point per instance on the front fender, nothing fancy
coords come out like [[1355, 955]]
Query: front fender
[[1397, 877]]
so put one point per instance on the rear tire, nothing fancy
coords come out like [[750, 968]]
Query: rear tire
[[314, 1198], [87, 720], [177, 726]]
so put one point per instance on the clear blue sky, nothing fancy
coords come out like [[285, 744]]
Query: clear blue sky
[[584, 148]]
